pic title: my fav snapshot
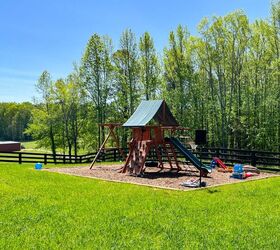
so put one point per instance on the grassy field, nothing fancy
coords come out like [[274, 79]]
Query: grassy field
[[32, 147], [42, 210]]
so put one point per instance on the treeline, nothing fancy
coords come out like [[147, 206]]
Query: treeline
[[14, 119], [225, 80]]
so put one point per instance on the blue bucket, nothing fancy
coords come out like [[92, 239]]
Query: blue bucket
[[38, 166], [238, 168]]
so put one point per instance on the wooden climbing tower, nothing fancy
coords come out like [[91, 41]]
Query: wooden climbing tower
[[147, 138]]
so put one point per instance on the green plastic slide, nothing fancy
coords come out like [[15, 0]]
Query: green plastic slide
[[190, 156]]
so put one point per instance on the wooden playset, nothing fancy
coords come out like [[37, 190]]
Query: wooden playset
[[150, 123]]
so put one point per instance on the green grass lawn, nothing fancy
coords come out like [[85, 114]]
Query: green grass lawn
[[43, 210]]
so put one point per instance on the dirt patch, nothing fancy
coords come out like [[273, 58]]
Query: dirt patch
[[154, 177]]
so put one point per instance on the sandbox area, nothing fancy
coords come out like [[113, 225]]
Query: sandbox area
[[153, 177]]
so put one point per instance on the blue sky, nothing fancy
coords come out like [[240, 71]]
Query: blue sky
[[52, 34]]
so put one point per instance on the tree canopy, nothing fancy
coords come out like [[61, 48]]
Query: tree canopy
[[225, 79]]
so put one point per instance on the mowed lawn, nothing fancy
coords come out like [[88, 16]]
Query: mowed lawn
[[43, 210]]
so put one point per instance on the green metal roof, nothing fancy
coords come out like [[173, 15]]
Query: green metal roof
[[148, 110]]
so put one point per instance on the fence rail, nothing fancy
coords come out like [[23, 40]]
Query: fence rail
[[262, 159]]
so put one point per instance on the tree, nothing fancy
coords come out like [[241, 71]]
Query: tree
[[126, 89], [177, 72], [43, 126], [96, 75], [225, 41], [149, 67], [275, 46], [69, 98], [127, 73]]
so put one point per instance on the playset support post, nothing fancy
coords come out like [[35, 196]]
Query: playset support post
[[111, 127]]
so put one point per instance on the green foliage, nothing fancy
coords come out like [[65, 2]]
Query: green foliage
[[59, 118], [126, 69], [14, 119], [44, 126], [70, 103], [178, 72], [149, 67], [96, 78], [233, 92], [226, 80], [53, 211], [38, 128]]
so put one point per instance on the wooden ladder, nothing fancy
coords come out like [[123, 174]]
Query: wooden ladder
[[171, 155]]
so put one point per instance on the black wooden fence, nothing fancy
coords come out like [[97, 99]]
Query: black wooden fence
[[28, 157], [261, 159]]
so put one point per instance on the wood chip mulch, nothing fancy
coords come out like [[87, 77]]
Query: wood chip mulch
[[153, 177]]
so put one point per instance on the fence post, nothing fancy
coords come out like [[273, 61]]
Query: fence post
[[45, 159], [19, 158], [218, 152], [115, 154], [104, 156], [253, 158]]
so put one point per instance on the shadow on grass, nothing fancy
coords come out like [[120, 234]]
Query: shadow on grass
[[212, 191]]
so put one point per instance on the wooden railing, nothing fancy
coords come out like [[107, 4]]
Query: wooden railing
[[261, 159]]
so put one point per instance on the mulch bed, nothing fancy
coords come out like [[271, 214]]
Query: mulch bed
[[154, 177]]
